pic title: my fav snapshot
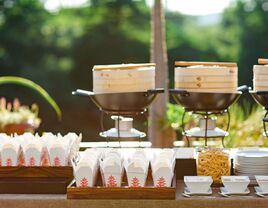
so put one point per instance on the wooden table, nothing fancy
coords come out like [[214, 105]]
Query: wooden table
[[60, 201]]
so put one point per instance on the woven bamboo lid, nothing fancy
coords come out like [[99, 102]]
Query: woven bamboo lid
[[263, 61], [122, 66], [200, 63]]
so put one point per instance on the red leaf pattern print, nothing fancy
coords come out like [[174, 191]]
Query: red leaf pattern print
[[8, 162], [57, 161], [111, 181], [135, 182], [83, 182], [31, 161], [161, 182]]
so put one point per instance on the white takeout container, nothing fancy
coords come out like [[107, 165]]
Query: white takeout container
[[137, 171], [263, 182], [32, 155], [10, 154], [57, 155], [198, 184], [87, 168], [235, 184], [85, 175], [163, 168], [112, 171]]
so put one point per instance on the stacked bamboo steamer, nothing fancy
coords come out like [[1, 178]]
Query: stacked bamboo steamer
[[123, 78], [206, 76], [260, 78]]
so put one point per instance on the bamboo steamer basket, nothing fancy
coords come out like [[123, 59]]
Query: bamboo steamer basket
[[206, 76], [123, 78], [198, 78], [260, 80], [206, 85]]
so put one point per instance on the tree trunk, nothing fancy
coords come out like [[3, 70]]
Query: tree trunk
[[157, 113]]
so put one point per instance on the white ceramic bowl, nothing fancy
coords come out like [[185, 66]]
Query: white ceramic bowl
[[263, 182], [198, 184], [235, 184]]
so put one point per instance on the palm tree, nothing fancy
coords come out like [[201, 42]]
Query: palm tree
[[157, 135]]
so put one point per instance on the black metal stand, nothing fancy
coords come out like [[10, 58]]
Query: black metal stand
[[265, 120], [206, 116]]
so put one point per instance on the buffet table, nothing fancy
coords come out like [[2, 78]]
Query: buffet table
[[215, 201]]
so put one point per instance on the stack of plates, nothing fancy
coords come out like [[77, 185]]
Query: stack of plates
[[251, 162], [260, 80]]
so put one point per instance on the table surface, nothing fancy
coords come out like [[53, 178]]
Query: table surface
[[215, 201]]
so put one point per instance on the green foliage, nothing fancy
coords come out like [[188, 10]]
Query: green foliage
[[174, 116], [57, 50], [246, 126]]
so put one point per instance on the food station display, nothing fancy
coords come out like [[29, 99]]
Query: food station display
[[206, 89], [122, 92], [143, 177], [260, 92]]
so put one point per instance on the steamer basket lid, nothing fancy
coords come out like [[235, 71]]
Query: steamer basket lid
[[200, 63], [122, 66]]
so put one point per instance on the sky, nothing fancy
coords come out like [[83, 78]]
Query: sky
[[190, 7]]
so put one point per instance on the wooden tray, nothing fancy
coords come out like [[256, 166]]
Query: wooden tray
[[35, 180], [123, 192]]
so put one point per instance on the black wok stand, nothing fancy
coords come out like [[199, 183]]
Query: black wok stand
[[265, 120], [206, 116]]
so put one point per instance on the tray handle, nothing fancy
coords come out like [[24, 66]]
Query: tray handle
[[83, 93], [243, 88], [179, 91], [154, 91]]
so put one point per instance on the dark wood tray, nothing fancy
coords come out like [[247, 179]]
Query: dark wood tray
[[123, 192], [35, 180]]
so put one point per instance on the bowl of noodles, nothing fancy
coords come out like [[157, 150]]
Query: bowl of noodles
[[214, 163]]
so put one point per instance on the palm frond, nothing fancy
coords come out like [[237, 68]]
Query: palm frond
[[30, 84]]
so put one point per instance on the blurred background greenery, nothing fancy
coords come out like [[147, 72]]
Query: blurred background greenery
[[57, 49]]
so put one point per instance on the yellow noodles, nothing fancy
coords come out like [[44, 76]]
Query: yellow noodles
[[213, 163]]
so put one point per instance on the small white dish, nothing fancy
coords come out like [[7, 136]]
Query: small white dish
[[198, 184], [224, 191], [188, 192], [260, 191], [235, 184], [263, 182]]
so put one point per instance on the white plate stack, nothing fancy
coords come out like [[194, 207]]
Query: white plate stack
[[251, 162]]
